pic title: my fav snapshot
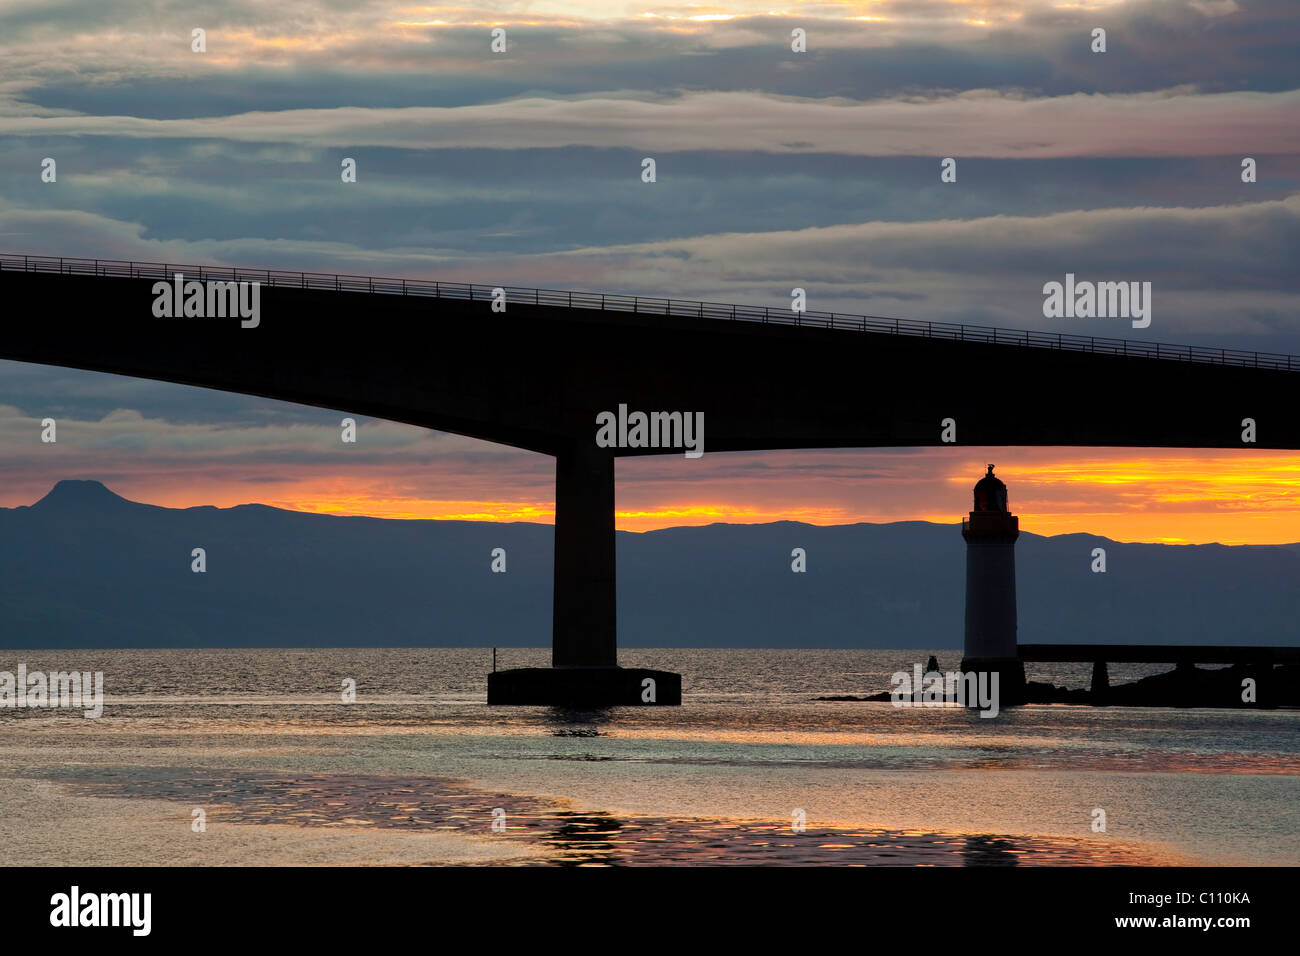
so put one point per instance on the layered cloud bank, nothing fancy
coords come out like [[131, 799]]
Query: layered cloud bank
[[976, 124]]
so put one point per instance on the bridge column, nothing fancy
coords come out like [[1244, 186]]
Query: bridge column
[[584, 634], [585, 622]]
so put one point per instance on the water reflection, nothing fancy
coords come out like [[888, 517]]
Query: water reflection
[[985, 850], [586, 839], [569, 722], [569, 836]]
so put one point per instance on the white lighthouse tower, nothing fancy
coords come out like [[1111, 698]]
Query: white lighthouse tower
[[991, 532]]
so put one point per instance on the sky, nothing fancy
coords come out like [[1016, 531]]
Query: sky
[[774, 169]]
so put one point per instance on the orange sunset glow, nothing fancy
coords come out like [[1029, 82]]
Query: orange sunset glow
[[1185, 497]]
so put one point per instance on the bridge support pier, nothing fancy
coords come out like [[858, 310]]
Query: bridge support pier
[[584, 669], [585, 617]]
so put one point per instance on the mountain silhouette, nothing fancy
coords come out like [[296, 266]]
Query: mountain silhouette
[[73, 495], [85, 567]]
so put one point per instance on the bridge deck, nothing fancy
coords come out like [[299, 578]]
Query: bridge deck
[[651, 305]]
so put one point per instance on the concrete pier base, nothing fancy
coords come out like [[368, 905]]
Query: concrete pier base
[[1011, 676], [583, 687]]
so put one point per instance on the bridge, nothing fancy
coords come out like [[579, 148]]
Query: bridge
[[537, 375]]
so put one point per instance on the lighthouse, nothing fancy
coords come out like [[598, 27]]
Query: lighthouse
[[990, 533]]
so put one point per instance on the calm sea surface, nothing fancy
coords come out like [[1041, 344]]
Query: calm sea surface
[[265, 734]]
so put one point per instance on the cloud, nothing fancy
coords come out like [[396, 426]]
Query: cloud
[[980, 123], [171, 459]]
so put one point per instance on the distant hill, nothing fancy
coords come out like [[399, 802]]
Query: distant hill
[[84, 567]]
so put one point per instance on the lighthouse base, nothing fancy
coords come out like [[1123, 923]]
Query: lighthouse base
[[1011, 676]]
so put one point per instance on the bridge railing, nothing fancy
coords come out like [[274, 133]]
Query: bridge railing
[[651, 305]]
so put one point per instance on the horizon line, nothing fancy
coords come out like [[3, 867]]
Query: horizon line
[[956, 522]]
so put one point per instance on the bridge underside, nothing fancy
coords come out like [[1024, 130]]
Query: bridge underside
[[536, 377]]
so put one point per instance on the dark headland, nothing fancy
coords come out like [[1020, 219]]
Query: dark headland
[[1185, 686]]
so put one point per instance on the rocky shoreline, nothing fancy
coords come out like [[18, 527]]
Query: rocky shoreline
[[1190, 686]]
